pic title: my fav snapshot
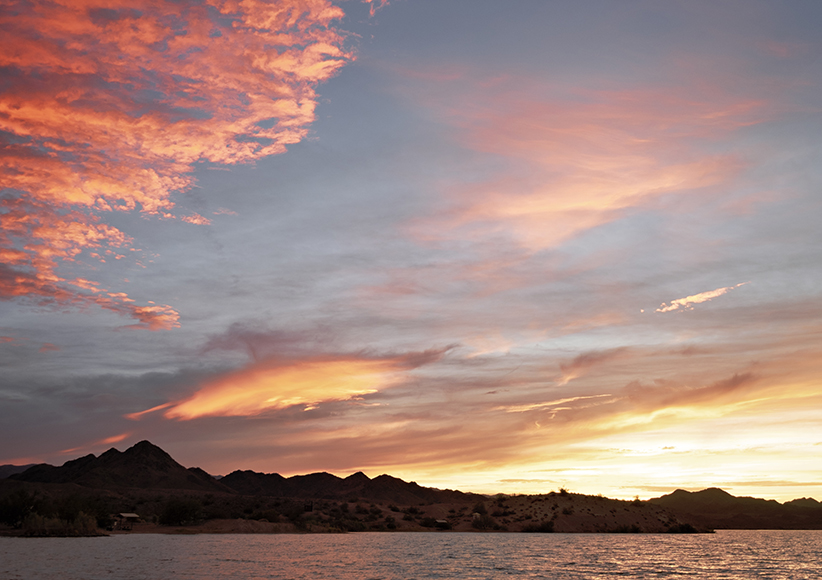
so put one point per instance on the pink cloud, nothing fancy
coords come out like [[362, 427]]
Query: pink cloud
[[375, 5], [113, 102], [578, 161]]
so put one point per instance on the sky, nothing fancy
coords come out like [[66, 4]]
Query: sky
[[489, 246]]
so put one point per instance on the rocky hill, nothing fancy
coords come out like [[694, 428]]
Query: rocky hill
[[8, 469], [144, 466], [326, 486], [718, 509], [145, 479]]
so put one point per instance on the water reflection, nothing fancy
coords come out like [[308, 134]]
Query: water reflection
[[388, 556]]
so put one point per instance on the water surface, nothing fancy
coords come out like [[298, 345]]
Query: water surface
[[363, 556]]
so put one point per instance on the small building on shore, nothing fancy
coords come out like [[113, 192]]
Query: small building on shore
[[125, 520]]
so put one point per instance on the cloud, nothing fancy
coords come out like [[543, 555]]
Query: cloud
[[48, 347], [551, 405], [665, 394], [261, 343], [279, 384], [96, 444], [581, 363], [107, 106], [375, 5], [688, 302], [197, 220], [569, 163]]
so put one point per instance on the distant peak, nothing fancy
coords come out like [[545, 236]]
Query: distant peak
[[359, 476], [146, 448], [715, 491]]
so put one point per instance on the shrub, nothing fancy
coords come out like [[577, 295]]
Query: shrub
[[179, 512], [484, 522], [545, 527], [632, 529], [82, 525], [682, 529], [443, 525], [16, 506]]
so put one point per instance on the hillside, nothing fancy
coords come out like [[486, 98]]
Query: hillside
[[326, 486], [718, 509], [143, 465], [146, 480], [8, 469]]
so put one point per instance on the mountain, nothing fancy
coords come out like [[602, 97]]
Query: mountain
[[7, 470], [146, 466], [718, 509], [326, 486], [143, 465]]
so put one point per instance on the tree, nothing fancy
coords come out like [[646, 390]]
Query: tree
[[178, 512]]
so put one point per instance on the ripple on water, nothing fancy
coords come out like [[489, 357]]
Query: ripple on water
[[419, 556]]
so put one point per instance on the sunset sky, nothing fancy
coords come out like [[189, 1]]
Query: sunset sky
[[493, 246]]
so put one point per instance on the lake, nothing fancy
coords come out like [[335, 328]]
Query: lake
[[364, 556]]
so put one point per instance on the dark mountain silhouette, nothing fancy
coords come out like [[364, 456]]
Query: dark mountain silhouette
[[146, 466], [7, 470], [327, 486], [718, 509], [143, 465]]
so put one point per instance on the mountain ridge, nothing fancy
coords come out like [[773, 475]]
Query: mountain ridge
[[716, 508], [145, 466]]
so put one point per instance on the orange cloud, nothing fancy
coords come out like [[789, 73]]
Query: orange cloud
[[106, 441], [197, 219], [108, 105], [272, 385], [688, 302]]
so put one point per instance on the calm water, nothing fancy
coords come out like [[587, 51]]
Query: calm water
[[363, 556]]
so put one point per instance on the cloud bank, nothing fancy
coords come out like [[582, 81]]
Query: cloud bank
[[108, 106]]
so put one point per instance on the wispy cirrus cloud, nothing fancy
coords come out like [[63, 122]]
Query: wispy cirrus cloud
[[375, 5], [107, 106], [577, 158], [96, 444], [582, 363], [688, 302]]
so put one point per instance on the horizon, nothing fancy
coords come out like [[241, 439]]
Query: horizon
[[371, 477], [480, 246]]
